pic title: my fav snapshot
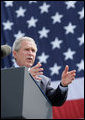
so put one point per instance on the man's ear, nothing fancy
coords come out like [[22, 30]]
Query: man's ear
[[14, 54]]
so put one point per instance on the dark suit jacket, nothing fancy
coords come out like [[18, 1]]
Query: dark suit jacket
[[56, 96]]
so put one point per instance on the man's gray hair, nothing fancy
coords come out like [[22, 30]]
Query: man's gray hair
[[17, 43]]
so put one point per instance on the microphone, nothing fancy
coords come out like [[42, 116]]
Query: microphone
[[5, 50]]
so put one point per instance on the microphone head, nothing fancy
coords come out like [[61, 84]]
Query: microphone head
[[5, 50]]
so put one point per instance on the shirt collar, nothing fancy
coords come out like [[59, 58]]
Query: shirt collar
[[16, 65]]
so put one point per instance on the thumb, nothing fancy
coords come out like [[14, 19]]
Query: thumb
[[66, 69]]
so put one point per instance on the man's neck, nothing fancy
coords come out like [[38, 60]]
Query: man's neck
[[16, 65]]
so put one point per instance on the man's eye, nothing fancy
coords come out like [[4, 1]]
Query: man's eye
[[27, 49], [33, 50]]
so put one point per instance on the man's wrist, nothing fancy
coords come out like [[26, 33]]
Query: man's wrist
[[63, 85]]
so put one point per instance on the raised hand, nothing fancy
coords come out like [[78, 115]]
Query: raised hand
[[36, 71], [68, 76]]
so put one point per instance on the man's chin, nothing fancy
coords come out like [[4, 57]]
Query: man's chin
[[29, 65]]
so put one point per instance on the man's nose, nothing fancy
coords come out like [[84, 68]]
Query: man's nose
[[29, 52]]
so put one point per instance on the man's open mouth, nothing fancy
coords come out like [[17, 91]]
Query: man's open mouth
[[29, 58]]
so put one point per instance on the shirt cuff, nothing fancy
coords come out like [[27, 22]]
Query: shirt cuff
[[63, 89]]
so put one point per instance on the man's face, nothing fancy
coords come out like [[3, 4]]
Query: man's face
[[26, 54]]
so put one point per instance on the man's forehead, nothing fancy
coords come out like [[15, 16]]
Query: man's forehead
[[27, 42]]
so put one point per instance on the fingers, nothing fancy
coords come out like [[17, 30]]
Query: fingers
[[37, 78], [36, 75], [38, 65], [66, 69], [37, 68], [68, 76], [72, 78], [73, 71], [71, 75], [36, 71]]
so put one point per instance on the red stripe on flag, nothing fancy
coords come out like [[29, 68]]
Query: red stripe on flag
[[72, 109]]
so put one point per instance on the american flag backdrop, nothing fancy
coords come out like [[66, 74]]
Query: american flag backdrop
[[58, 29]]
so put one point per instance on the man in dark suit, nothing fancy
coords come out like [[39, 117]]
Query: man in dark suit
[[24, 52]]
